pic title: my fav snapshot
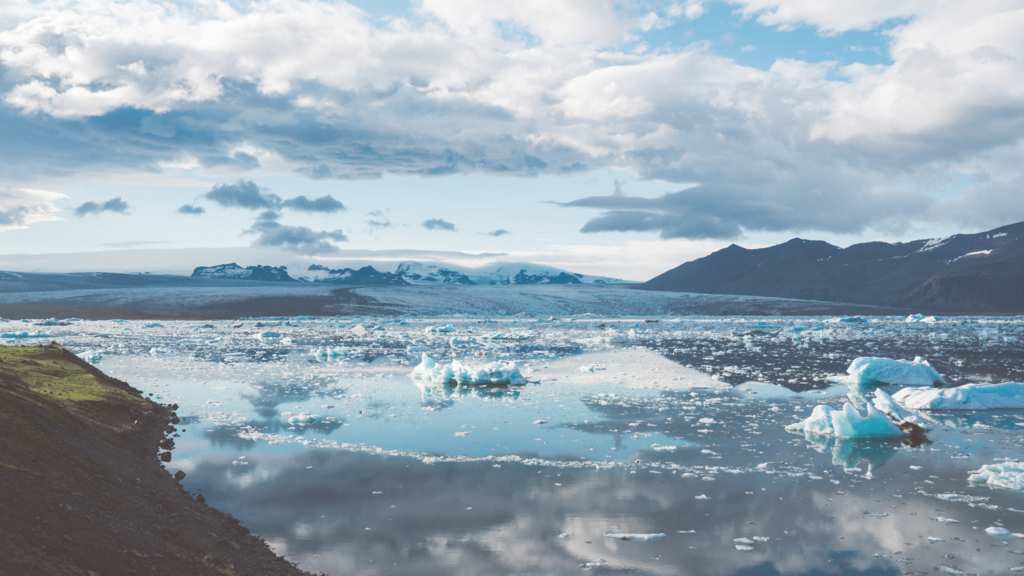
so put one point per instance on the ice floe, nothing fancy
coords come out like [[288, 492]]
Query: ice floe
[[847, 422], [982, 396], [495, 373], [875, 371], [1009, 475]]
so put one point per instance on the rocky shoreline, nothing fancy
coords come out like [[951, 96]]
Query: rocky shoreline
[[84, 489]]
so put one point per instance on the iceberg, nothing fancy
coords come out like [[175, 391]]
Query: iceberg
[[848, 423], [495, 373], [981, 396], [441, 329], [1009, 475], [868, 371]]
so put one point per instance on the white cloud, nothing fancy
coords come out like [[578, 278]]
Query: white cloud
[[532, 86], [21, 208]]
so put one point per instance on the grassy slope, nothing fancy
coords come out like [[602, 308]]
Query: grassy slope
[[82, 489]]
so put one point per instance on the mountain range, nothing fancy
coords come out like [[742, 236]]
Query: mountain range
[[968, 273], [406, 273]]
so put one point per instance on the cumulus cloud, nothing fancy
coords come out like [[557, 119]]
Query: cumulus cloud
[[499, 232], [325, 204], [298, 239], [508, 88], [115, 205], [438, 224], [191, 209], [243, 194]]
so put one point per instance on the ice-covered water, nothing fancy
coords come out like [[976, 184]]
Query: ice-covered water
[[311, 431]]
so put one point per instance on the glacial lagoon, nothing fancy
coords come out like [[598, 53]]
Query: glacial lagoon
[[636, 445]]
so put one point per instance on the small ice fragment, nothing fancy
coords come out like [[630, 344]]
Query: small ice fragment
[[761, 538], [946, 568], [563, 535], [935, 540], [540, 421], [742, 540], [998, 532], [591, 565], [639, 537], [686, 531], [915, 467], [702, 497], [744, 548], [466, 433], [303, 418], [943, 520]]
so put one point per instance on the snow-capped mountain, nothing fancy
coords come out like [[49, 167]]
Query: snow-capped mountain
[[365, 276], [435, 274], [235, 272]]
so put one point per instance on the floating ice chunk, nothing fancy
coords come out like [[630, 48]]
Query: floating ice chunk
[[665, 448], [591, 368], [742, 540], [457, 340], [886, 404], [744, 548], [702, 497], [998, 532], [819, 422], [935, 540], [640, 537], [848, 423], [889, 371], [981, 396], [157, 351], [91, 356], [418, 349], [493, 373], [441, 329], [1008, 475], [268, 335], [921, 318]]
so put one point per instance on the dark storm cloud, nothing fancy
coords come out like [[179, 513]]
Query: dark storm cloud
[[298, 239], [325, 204], [438, 224], [115, 205], [191, 209]]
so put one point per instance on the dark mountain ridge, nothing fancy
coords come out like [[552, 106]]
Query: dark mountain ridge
[[969, 273]]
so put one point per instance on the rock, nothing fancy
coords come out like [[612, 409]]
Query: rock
[[165, 456], [166, 443], [175, 420], [201, 499], [179, 475]]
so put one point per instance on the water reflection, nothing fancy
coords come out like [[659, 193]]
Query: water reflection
[[346, 513]]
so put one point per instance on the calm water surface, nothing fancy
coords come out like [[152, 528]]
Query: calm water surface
[[626, 427]]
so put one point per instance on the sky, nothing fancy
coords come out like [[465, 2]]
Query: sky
[[602, 137]]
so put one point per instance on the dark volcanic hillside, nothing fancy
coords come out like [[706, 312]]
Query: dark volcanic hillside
[[962, 273]]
